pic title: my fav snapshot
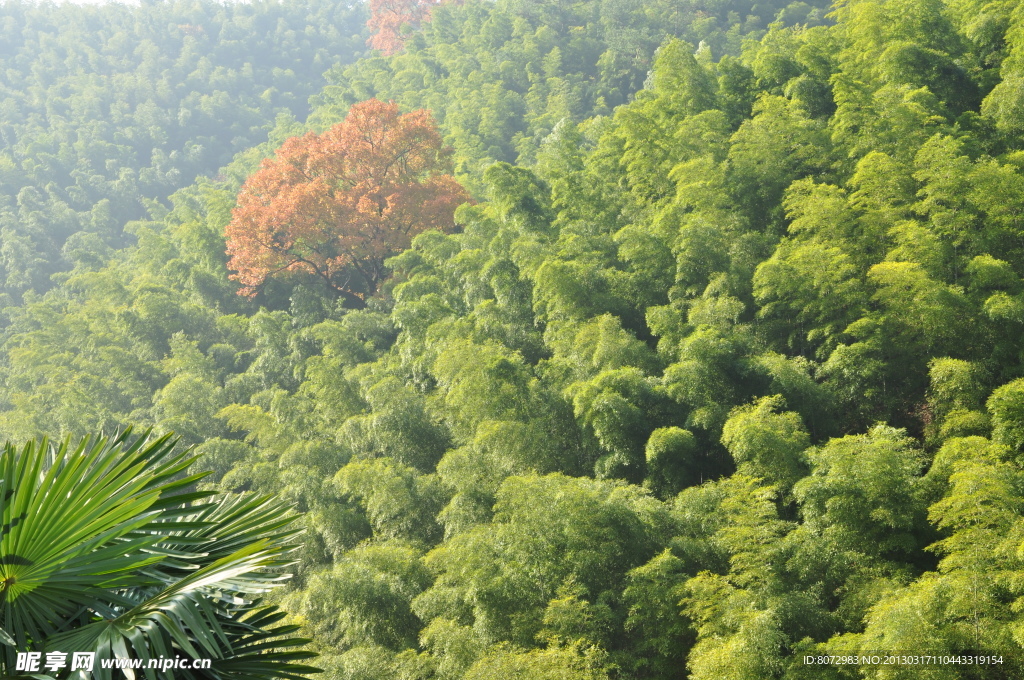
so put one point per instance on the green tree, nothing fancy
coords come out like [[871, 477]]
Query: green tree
[[767, 444]]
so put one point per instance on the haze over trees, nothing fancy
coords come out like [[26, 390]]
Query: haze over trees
[[722, 365], [107, 109], [388, 17]]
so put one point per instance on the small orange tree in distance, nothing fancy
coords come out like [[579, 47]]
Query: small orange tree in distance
[[337, 204], [388, 16]]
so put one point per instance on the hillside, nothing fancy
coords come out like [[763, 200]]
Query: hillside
[[105, 110], [720, 368]]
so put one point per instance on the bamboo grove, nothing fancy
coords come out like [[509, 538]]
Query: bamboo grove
[[717, 364]]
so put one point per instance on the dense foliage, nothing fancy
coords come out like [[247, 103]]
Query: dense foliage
[[107, 109], [498, 76], [724, 367]]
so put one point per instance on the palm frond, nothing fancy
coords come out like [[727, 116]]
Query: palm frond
[[106, 548]]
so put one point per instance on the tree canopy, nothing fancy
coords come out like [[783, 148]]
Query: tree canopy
[[337, 205], [108, 108], [721, 367]]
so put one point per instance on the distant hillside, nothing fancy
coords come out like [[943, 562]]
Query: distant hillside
[[722, 369], [105, 110], [498, 76]]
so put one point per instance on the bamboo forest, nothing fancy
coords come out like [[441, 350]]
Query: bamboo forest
[[512, 340]]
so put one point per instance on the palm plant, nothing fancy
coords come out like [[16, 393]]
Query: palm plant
[[106, 548]]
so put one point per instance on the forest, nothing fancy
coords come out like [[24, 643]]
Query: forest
[[602, 340]]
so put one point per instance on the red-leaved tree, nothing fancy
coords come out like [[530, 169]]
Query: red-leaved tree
[[388, 16], [337, 204]]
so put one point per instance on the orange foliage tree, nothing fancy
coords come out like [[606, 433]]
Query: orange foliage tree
[[337, 204], [387, 18]]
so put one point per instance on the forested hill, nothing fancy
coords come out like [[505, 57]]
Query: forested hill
[[107, 109], [721, 368], [499, 76]]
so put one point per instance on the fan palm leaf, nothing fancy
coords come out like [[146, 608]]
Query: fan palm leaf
[[105, 548]]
